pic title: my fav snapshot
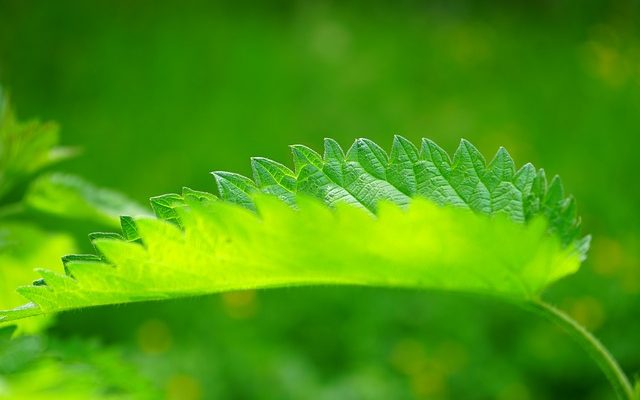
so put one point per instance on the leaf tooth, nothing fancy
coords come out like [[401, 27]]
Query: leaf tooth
[[105, 235], [224, 179], [569, 208], [437, 180], [402, 150], [191, 196], [40, 298], [468, 155], [120, 254], [334, 162], [540, 184], [92, 274], [430, 151], [370, 156], [235, 188], [555, 192], [402, 167], [275, 179], [303, 155], [268, 172], [582, 246], [502, 166], [467, 177], [568, 224], [70, 259], [55, 280], [333, 151], [93, 237], [129, 229], [523, 179], [164, 207]]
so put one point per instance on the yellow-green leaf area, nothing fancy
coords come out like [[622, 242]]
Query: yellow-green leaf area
[[224, 247]]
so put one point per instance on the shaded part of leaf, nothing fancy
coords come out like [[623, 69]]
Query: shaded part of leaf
[[190, 196], [235, 188], [555, 193], [316, 183], [366, 176], [274, 178], [467, 173], [334, 162], [93, 237], [105, 235], [129, 229], [506, 198], [303, 156], [434, 174], [500, 169], [523, 180], [370, 156], [551, 205], [164, 207], [353, 177], [568, 224], [403, 161], [267, 172], [533, 205]]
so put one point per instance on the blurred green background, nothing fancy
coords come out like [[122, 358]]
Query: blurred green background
[[157, 94]]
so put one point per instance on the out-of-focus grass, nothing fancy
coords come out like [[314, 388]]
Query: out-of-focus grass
[[556, 83]]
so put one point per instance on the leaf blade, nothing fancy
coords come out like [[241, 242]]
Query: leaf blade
[[468, 227]]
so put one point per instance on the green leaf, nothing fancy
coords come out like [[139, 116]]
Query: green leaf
[[235, 188], [274, 178], [74, 369], [23, 247], [409, 219], [25, 148], [72, 197]]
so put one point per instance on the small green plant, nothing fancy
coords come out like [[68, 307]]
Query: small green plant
[[27, 149], [32, 365], [412, 218]]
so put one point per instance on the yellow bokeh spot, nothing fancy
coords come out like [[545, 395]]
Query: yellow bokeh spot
[[472, 45], [608, 64], [588, 311], [241, 304], [429, 382], [607, 255], [612, 57], [631, 281], [451, 355], [427, 374], [154, 337], [514, 391], [183, 387], [408, 356]]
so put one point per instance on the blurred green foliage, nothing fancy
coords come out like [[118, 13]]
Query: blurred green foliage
[[159, 93]]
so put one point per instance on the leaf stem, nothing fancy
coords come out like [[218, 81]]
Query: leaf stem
[[593, 346]]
